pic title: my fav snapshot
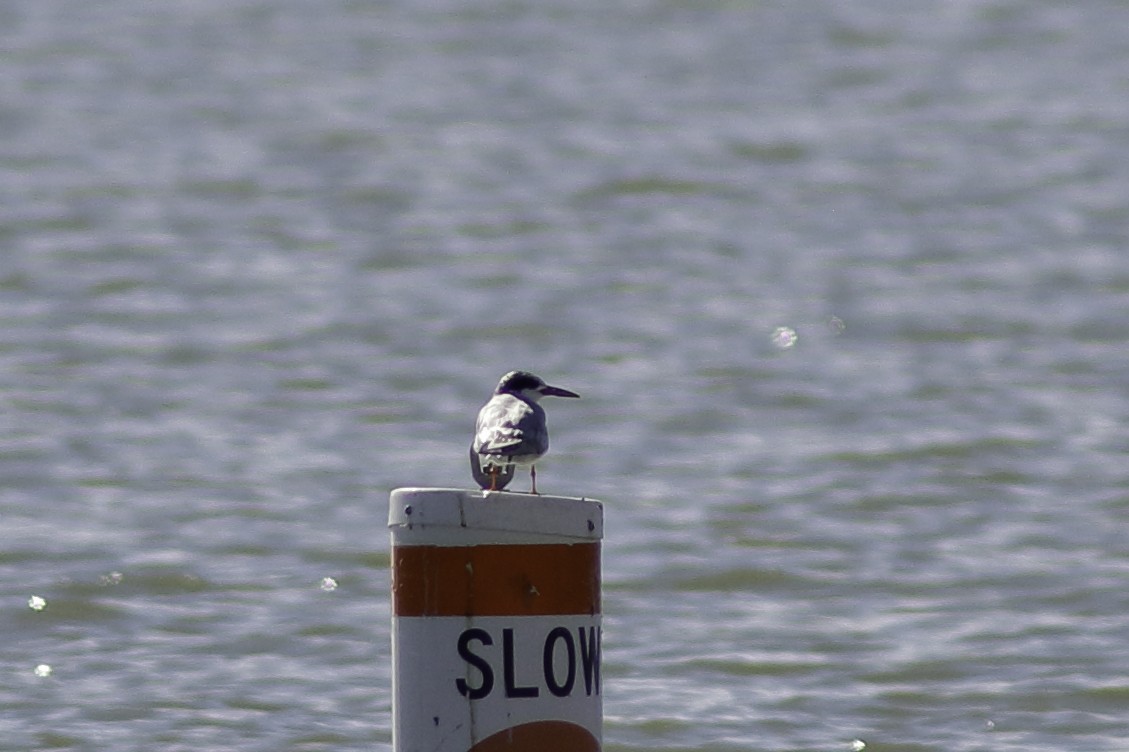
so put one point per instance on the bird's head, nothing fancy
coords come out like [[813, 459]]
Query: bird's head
[[529, 387]]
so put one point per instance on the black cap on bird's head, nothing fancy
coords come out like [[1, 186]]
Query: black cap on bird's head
[[529, 386]]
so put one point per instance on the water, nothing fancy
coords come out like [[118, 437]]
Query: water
[[843, 287]]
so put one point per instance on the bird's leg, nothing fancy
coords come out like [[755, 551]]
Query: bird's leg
[[493, 477], [533, 479]]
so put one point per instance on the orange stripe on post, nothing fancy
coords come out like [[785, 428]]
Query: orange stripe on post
[[496, 580]]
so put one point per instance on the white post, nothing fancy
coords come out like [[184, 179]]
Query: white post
[[495, 622]]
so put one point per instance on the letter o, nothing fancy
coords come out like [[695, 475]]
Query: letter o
[[560, 689]]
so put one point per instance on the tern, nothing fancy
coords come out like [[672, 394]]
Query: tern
[[511, 430]]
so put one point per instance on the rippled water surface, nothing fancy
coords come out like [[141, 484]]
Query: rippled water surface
[[844, 287]]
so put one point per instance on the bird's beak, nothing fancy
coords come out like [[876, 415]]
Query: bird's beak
[[556, 391]]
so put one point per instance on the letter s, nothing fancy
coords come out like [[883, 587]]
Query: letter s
[[480, 663]]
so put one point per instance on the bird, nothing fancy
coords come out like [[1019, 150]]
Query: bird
[[511, 430]]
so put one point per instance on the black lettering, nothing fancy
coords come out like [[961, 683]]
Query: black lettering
[[590, 657], [512, 689], [559, 689], [480, 663]]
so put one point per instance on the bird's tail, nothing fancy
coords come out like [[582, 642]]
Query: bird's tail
[[496, 481]]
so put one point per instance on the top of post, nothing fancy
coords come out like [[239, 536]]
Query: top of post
[[461, 517]]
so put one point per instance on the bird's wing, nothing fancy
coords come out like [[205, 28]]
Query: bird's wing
[[534, 432], [505, 426], [497, 428]]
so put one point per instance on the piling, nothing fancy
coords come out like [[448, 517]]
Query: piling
[[495, 622]]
